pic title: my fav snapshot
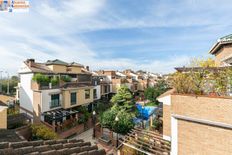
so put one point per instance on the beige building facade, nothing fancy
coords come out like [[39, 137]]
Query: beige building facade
[[3, 117], [197, 124]]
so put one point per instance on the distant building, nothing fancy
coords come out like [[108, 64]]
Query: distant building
[[40, 100]]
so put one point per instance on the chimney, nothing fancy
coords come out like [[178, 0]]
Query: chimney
[[30, 62], [87, 68]]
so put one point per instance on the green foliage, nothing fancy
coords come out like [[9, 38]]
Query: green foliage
[[13, 82], [124, 124], [151, 93], [101, 107], [108, 118], [203, 81], [157, 124], [55, 81], [66, 78], [41, 79], [12, 111], [41, 132], [151, 104], [182, 82], [202, 62], [84, 115], [123, 99], [124, 108]]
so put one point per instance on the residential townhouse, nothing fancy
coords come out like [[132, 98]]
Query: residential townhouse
[[104, 86], [200, 124], [41, 100], [117, 79]]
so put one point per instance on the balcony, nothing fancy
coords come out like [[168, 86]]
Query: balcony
[[55, 104], [37, 86]]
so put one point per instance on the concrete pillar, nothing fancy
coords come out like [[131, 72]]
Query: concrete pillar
[[151, 120]]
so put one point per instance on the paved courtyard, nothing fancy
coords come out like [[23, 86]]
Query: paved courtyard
[[87, 136]]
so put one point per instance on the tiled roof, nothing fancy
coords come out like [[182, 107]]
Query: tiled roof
[[8, 136], [43, 68], [56, 62], [50, 147], [222, 41], [39, 68], [226, 38], [76, 64]]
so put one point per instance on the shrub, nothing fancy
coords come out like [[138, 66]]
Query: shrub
[[41, 132], [124, 124], [151, 104], [41, 79], [55, 81], [66, 78]]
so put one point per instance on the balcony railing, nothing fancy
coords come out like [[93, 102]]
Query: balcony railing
[[55, 104]]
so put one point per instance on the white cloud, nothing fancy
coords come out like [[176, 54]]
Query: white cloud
[[50, 32]]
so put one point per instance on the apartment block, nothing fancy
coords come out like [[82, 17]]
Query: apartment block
[[72, 88]]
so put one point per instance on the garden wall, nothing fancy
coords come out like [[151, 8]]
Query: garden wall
[[75, 130]]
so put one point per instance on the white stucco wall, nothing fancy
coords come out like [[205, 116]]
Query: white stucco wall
[[46, 99], [25, 92], [98, 88], [165, 100]]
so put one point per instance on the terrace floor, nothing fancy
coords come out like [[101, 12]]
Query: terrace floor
[[87, 136]]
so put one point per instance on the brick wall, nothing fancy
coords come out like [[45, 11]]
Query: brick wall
[[195, 138], [3, 119], [202, 107], [167, 120], [224, 53]]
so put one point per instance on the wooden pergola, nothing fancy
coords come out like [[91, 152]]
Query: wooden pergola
[[145, 142]]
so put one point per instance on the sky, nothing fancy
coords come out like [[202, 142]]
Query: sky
[[152, 35]]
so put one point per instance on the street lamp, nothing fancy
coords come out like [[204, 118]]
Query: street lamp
[[143, 117], [94, 121], [117, 119], [8, 83]]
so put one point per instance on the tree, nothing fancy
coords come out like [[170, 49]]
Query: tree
[[13, 82], [202, 62], [151, 93], [123, 99], [124, 108], [122, 126]]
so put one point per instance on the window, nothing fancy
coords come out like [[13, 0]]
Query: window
[[105, 89], [87, 94], [95, 93], [73, 97], [55, 100], [136, 87]]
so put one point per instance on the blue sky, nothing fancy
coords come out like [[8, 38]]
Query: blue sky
[[153, 35]]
